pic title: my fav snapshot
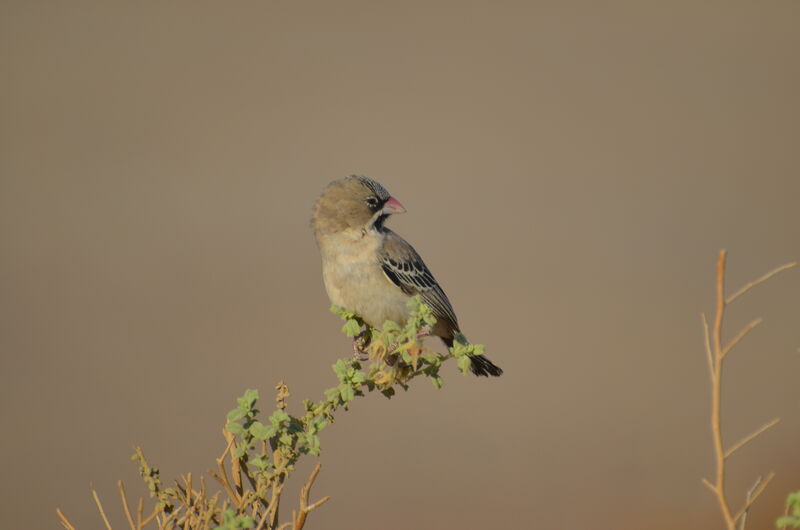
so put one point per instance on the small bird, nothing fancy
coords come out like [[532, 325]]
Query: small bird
[[371, 271]]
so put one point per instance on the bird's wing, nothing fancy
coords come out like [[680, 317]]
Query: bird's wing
[[405, 268]]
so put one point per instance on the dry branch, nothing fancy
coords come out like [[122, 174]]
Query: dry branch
[[715, 353]]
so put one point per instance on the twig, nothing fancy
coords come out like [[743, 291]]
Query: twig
[[63, 519], [188, 481], [100, 507], [764, 278], [150, 517], [739, 336], [743, 520], [759, 489], [127, 510], [716, 395], [715, 353], [275, 500], [751, 436], [709, 355], [236, 474], [139, 512], [300, 520], [223, 475]]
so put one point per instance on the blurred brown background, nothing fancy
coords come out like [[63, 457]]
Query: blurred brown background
[[570, 171]]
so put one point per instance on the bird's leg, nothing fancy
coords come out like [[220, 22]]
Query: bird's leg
[[424, 331], [360, 344]]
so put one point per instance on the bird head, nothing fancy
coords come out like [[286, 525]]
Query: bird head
[[354, 202]]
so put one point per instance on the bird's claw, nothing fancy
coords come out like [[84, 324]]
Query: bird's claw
[[424, 331], [360, 344]]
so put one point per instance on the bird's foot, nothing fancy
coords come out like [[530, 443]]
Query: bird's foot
[[360, 345], [424, 331]]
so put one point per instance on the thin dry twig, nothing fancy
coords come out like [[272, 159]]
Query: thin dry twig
[[300, 519], [222, 477], [715, 353], [716, 394], [100, 507], [751, 436], [139, 513], [762, 279], [63, 519], [739, 336], [751, 498], [121, 488], [149, 518], [236, 470], [743, 520], [709, 355]]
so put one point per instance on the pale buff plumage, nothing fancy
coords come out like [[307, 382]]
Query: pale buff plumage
[[371, 271]]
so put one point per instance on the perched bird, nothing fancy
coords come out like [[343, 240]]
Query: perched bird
[[371, 271]]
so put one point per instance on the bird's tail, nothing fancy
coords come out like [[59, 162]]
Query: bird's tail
[[481, 365]]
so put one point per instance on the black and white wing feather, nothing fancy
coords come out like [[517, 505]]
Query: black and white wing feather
[[405, 268]]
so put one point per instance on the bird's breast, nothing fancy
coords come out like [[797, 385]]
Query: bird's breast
[[355, 280]]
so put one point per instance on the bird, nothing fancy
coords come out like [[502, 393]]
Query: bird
[[371, 271]]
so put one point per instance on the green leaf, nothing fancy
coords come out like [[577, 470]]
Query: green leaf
[[250, 396], [429, 357], [234, 428], [260, 431], [343, 313], [351, 328], [260, 461], [346, 391], [464, 364], [236, 414], [390, 326], [278, 418], [787, 521], [313, 445], [340, 369], [793, 501]]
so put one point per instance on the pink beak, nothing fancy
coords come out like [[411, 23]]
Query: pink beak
[[393, 206]]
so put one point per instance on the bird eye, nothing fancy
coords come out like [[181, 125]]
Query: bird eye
[[372, 202]]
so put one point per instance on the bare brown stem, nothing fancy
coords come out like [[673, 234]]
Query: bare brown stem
[[716, 394], [739, 336], [100, 508], [236, 471], [63, 519], [121, 488], [709, 355], [305, 508], [751, 436], [715, 353], [762, 279], [751, 497], [222, 477], [139, 513], [743, 520]]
